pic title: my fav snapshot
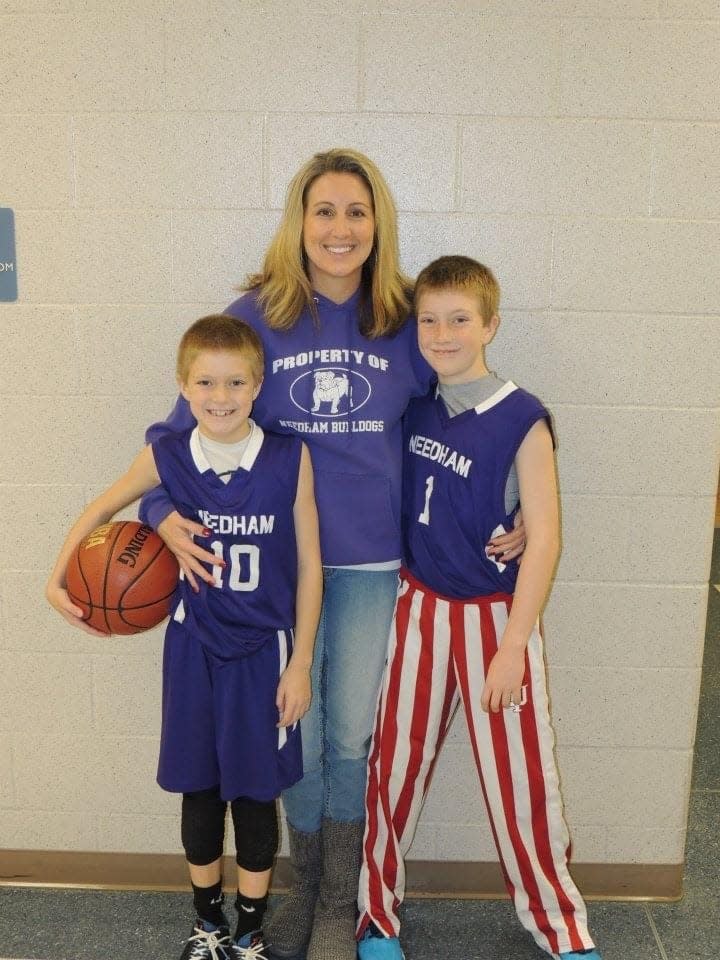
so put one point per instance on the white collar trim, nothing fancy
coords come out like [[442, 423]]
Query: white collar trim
[[504, 391], [250, 454]]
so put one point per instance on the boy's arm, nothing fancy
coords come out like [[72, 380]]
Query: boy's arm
[[294, 690], [140, 477], [538, 496], [157, 510]]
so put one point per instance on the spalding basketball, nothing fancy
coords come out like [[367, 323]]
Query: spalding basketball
[[123, 576]]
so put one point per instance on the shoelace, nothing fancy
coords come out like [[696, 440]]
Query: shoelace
[[208, 945]]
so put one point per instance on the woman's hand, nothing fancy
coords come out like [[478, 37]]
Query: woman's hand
[[510, 545], [178, 533], [294, 694], [58, 598]]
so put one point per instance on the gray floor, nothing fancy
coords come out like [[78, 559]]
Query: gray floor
[[92, 925]]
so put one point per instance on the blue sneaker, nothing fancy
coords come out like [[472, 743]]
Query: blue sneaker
[[250, 947], [373, 945], [580, 955]]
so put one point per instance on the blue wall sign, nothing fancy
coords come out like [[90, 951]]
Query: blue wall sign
[[8, 265]]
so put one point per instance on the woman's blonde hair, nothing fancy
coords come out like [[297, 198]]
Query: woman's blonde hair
[[284, 284]]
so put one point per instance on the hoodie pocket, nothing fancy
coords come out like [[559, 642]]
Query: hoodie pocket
[[357, 520]]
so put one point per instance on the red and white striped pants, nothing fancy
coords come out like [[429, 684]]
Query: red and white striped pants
[[439, 653]]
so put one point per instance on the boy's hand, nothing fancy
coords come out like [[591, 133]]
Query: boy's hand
[[178, 533], [58, 598], [504, 679], [510, 545], [294, 694]]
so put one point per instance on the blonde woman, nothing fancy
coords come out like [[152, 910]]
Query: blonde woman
[[341, 363]]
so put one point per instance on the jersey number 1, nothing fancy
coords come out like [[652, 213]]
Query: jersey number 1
[[237, 552], [425, 515]]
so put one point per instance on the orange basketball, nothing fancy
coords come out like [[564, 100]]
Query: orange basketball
[[123, 576]]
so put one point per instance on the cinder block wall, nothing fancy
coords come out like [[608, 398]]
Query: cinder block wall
[[145, 146]]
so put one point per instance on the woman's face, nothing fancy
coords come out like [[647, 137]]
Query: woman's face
[[338, 233]]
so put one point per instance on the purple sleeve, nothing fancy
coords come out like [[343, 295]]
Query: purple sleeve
[[156, 504], [180, 419]]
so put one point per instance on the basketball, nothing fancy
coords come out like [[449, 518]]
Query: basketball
[[123, 576]]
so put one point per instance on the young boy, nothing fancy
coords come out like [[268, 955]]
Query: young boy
[[465, 625], [236, 671]]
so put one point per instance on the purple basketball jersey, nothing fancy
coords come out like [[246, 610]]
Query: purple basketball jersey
[[252, 529], [454, 474]]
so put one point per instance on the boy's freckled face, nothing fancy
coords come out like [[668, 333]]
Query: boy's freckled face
[[452, 335], [220, 388]]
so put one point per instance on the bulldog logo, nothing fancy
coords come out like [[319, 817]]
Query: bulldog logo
[[330, 388], [333, 391]]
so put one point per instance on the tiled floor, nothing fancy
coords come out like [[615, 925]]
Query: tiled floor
[[94, 925]]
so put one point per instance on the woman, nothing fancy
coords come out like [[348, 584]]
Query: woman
[[341, 363]]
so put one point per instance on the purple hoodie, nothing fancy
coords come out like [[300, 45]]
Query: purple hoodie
[[344, 395]]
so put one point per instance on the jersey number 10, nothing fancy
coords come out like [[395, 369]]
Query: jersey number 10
[[244, 573]]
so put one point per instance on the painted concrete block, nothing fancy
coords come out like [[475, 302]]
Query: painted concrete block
[[86, 256], [622, 266], [519, 251], [99, 61], [219, 60], [169, 160], [213, 254], [620, 69], [426, 62], [416, 155], [556, 167], [686, 171], [36, 161], [615, 538], [596, 624]]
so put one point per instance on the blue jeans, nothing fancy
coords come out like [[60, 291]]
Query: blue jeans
[[350, 651]]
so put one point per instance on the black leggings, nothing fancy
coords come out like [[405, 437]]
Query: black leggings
[[203, 829]]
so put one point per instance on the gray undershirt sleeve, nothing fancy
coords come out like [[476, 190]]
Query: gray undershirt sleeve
[[459, 397]]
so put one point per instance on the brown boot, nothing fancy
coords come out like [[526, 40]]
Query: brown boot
[[287, 930], [333, 931]]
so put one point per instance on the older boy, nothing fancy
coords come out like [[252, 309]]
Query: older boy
[[465, 625]]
